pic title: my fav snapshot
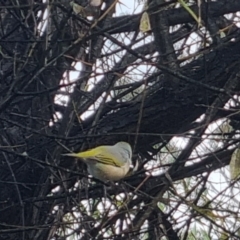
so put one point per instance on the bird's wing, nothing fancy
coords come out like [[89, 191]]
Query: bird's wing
[[109, 159], [108, 155]]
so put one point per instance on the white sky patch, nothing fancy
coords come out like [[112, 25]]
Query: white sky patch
[[44, 24], [126, 7]]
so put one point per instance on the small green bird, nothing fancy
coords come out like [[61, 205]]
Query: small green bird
[[107, 163]]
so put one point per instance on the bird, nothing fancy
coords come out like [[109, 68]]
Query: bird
[[107, 162]]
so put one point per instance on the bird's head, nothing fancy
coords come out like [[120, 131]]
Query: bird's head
[[126, 147]]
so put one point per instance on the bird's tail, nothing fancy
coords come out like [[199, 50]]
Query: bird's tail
[[86, 154], [70, 154]]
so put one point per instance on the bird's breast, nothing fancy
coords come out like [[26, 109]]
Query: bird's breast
[[106, 172]]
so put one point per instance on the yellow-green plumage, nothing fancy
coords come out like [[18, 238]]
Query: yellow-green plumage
[[107, 162]]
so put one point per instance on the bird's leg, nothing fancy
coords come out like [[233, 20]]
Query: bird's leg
[[125, 190], [105, 192], [108, 186]]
